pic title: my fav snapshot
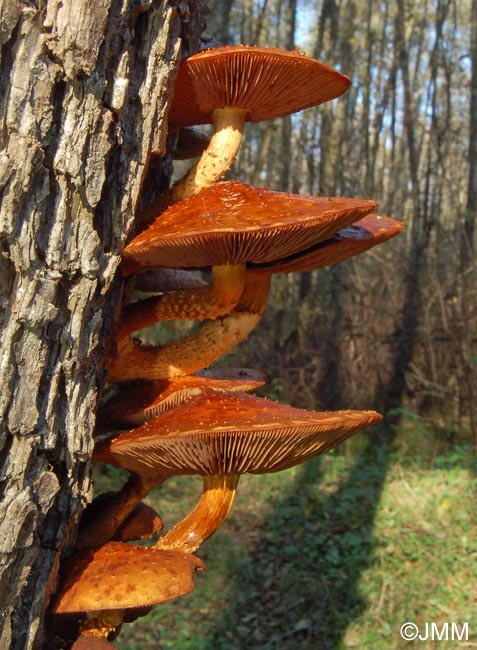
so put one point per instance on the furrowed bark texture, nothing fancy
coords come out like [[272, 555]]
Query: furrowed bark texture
[[84, 91]]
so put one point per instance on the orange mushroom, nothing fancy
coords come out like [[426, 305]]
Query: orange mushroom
[[221, 436], [101, 584], [218, 337], [352, 240], [142, 523], [225, 226], [231, 223], [230, 85]]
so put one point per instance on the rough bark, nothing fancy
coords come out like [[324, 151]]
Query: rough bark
[[84, 90]]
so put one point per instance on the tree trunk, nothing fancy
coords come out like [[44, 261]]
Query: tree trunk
[[471, 207], [84, 89]]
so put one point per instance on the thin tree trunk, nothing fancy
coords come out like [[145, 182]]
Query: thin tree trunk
[[219, 19], [471, 207], [263, 152], [84, 92], [419, 234], [468, 267], [366, 175], [286, 123]]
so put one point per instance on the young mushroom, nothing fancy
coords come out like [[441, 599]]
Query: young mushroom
[[101, 584], [220, 436], [135, 404], [230, 85]]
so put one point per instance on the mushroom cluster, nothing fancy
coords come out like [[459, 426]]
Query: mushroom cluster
[[175, 415]]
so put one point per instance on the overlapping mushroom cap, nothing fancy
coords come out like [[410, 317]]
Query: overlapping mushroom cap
[[266, 82], [352, 240], [118, 576], [234, 223], [229, 433], [136, 404]]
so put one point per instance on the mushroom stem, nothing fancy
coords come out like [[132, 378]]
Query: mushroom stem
[[206, 518], [105, 522], [217, 158], [214, 300], [192, 353], [184, 357], [256, 291]]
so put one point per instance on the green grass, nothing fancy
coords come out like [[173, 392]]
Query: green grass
[[337, 553]]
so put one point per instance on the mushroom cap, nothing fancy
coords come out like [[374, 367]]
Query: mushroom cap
[[120, 576], [230, 433], [351, 240], [135, 404], [266, 82], [234, 223]]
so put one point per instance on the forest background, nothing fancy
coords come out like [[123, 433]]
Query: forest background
[[342, 552]]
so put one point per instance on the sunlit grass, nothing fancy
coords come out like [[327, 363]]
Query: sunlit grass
[[338, 554]]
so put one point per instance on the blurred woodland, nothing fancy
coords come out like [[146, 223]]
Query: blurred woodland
[[395, 328]]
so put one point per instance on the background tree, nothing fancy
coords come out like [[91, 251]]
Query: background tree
[[83, 102]]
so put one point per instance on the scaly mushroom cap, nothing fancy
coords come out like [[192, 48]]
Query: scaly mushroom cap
[[230, 433], [117, 576], [267, 82], [136, 404], [351, 240], [233, 223]]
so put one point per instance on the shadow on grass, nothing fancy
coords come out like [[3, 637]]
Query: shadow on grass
[[299, 586]]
